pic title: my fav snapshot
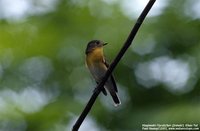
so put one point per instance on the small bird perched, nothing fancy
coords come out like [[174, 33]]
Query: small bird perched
[[97, 65]]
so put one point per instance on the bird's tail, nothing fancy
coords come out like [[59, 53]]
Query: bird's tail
[[115, 98]]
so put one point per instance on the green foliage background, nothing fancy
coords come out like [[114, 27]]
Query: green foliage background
[[44, 55]]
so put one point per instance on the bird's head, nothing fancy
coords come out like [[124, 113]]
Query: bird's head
[[93, 45]]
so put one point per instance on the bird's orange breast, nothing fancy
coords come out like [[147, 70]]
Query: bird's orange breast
[[95, 63], [95, 56]]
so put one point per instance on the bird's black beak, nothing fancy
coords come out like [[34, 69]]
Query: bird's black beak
[[105, 44]]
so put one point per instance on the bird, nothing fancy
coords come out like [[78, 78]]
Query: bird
[[97, 65]]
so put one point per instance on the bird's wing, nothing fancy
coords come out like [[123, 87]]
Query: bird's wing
[[103, 90], [112, 78]]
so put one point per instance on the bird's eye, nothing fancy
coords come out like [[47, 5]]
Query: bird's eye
[[97, 42]]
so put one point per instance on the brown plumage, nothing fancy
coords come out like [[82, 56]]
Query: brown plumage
[[97, 65]]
